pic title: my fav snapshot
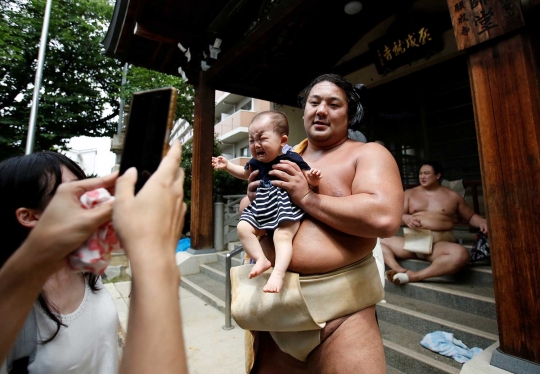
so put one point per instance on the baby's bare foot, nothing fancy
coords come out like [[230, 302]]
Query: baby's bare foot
[[275, 282], [260, 266]]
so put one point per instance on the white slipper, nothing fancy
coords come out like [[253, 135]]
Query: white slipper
[[400, 278], [397, 278]]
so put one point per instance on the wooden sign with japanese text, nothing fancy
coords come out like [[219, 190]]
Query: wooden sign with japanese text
[[476, 21], [405, 46]]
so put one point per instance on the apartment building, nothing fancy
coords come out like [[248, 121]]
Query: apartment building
[[233, 114]]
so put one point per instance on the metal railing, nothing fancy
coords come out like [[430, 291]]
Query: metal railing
[[226, 216], [228, 263]]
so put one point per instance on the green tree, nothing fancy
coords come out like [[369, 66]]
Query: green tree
[[223, 182], [80, 85], [141, 79]]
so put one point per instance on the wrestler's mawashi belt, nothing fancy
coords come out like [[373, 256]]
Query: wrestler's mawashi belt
[[296, 315]]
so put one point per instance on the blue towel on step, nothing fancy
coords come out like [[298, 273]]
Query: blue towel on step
[[445, 344]]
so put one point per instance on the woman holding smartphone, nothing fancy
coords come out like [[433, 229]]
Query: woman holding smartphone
[[149, 226], [76, 317]]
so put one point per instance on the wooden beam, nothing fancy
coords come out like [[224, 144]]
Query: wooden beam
[[475, 22], [147, 33], [506, 97], [287, 97], [202, 231], [284, 13], [225, 16], [354, 64]]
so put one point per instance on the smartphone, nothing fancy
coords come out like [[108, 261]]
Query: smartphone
[[149, 125]]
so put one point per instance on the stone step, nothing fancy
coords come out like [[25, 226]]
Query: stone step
[[403, 351], [206, 288], [465, 298], [479, 275], [411, 314], [236, 260], [393, 370], [214, 270], [412, 310], [451, 316]]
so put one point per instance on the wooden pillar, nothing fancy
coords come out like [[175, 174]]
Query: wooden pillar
[[202, 231], [505, 88]]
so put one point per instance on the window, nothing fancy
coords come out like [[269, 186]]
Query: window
[[244, 152], [246, 106]]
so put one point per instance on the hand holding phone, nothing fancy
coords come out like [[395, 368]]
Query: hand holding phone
[[149, 126]]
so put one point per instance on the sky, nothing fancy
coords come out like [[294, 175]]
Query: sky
[[92, 154]]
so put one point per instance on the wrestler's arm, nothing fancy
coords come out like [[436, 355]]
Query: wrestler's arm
[[408, 219], [372, 210], [469, 216]]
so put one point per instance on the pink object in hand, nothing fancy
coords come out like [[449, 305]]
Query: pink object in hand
[[95, 254]]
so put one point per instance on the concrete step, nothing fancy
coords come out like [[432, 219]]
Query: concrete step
[[236, 260], [465, 298], [214, 270], [206, 288], [451, 316], [479, 275], [410, 315], [465, 308], [403, 351], [209, 284], [393, 370]]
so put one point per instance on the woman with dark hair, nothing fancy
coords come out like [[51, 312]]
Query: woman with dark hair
[[149, 226], [76, 318]]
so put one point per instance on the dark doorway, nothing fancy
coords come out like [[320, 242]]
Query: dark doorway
[[427, 115]]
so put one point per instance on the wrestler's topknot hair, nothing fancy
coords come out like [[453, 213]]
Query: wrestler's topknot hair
[[281, 125], [355, 111]]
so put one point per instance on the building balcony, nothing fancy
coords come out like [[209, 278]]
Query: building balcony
[[242, 161], [235, 125]]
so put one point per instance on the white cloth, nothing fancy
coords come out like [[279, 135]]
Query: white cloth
[[379, 260], [89, 343], [95, 254], [456, 186]]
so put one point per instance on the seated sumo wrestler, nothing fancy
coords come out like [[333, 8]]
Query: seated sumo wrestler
[[429, 210]]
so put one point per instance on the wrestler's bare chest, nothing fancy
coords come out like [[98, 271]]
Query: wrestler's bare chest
[[338, 172], [435, 202]]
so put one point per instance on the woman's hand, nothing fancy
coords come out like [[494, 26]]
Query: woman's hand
[[150, 223], [65, 225], [292, 180], [149, 226]]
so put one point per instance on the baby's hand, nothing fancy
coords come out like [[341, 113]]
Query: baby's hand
[[219, 162], [315, 173], [314, 176]]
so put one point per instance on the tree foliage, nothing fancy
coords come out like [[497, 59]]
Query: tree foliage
[[79, 83], [81, 87], [141, 79], [223, 182]]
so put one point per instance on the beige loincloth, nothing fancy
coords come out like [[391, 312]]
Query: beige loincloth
[[295, 316], [420, 241]]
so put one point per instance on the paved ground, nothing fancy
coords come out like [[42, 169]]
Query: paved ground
[[209, 348]]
